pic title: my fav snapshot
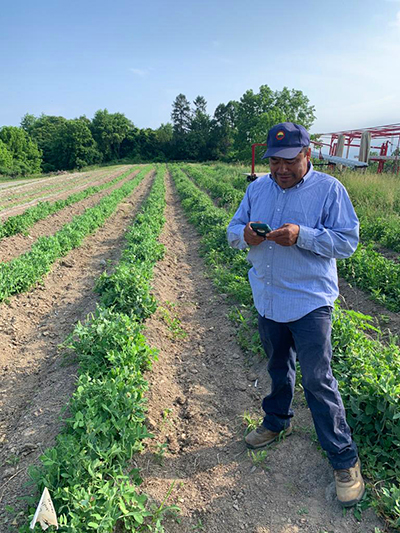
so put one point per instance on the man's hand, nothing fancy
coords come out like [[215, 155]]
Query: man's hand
[[251, 237], [286, 235]]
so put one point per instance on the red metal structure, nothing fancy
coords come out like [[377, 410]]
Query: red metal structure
[[388, 136]]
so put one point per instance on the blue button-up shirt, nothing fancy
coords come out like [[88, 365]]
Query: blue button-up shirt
[[290, 281]]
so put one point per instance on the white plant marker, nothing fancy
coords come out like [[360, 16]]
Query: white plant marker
[[45, 512]]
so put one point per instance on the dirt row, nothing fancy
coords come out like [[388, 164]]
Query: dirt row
[[36, 381], [200, 389], [59, 192], [15, 245]]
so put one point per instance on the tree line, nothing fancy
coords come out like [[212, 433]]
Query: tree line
[[51, 143]]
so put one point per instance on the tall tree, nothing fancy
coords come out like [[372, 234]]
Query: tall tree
[[181, 115], [164, 135], [46, 131], [200, 130], [75, 145], [109, 130], [223, 129], [181, 119], [6, 159], [26, 156]]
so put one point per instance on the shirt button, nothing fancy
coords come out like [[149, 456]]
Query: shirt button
[[270, 247], [278, 209], [267, 266], [267, 282], [283, 192]]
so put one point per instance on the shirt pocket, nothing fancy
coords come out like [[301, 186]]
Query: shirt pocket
[[302, 218]]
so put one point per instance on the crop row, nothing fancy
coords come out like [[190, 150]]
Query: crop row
[[60, 185], [368, 371], [87, 471], [374, 273], [366, 268], [20, 223], [210, 180], [381, 228], [21, 273]]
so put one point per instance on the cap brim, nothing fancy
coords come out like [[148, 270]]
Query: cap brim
[[285, 153]]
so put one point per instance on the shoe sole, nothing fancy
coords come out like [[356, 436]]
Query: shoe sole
[[286, 433], [351, 503]]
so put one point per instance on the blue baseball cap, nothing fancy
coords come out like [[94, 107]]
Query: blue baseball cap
[[286, 140]]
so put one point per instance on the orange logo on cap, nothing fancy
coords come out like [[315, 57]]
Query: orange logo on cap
[[280, 135]]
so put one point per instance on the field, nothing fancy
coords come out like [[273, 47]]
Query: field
[[130, 351]]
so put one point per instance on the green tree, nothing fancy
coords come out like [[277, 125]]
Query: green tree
[[46, 131], [75, 145], [28, 122], [66, 144], [6, 159], [181, 115], [26, 156], [181, 119], [223, 130], [199, 136], [109, 131]]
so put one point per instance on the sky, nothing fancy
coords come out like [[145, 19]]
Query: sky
[[73, 57]]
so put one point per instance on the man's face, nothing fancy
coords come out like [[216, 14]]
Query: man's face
[[289, 172]]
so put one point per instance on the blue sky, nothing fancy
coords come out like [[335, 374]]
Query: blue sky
[[73, 57]]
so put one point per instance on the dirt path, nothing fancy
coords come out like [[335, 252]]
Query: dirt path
[[199, 390], [36, 381], [18, 244]]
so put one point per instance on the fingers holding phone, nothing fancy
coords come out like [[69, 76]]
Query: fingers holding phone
[[286, 235], [255, 232]]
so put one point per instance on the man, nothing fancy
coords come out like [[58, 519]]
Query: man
[[294, 284]]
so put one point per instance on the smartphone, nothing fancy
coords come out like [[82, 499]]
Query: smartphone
[[260, 229]]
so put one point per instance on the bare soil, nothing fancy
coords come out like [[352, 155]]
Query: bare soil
[[200, 388], [36, 380]]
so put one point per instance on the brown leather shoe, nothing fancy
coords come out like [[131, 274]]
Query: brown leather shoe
[[350, 485], [260, 437]]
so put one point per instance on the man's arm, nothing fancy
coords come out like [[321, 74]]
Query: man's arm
[[339, 234]]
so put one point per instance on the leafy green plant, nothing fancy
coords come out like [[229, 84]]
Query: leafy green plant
[[258, 458], [251, 421], [86, 470], [161, 448], [171, 319]]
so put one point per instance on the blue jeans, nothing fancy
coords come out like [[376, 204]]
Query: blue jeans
[[310, 339]]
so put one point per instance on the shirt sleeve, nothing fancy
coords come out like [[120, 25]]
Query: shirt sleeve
[[338, 235], [236, 226]]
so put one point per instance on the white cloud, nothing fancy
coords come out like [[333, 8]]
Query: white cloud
[[139, 72]]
